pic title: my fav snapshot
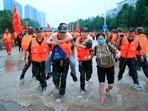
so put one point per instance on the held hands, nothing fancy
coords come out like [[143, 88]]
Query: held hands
[[118, 54], [27, 61], [88, 57]]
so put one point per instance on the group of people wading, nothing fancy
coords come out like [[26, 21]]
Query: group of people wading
[[52, 54]]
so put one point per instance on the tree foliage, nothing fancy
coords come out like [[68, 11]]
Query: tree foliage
[[6, 17], [128, 16]]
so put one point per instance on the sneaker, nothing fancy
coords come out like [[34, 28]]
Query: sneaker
[[90, 80], [119, 79], [59, 98], [138, 87], [74, 77], [48, 76], [82, 91], [44, 85]]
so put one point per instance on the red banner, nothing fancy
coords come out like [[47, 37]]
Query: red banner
[[77, 28], [48, 26], [17, 26]]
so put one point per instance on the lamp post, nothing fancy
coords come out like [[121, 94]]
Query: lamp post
[[105, 26]]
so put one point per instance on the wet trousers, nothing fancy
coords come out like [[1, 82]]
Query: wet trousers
[[25, 68], [60, 71], [131, 63], [38, 71], [144, 65], [8, 46], [85, 69]]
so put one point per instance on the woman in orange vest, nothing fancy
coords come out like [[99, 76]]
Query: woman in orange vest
[[8, 40], [38, 50], [128, 49], [83, 45], [61, 66]]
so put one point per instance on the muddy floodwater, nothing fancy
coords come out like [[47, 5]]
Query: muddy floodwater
[[27, 95]]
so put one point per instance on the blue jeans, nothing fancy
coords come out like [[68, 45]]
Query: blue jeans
[[72, 64], [71, 60], [48, 64]]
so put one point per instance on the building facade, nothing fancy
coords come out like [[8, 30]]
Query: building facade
[[19, 9], [8, 4], [113, 12]]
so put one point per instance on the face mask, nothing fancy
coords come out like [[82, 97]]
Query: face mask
[[101, 42]]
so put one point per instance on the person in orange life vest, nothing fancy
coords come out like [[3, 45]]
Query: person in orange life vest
[[105, 64], [71, 58], [60, 67], [8, 41], [76, 34], [25, 43], [84, 45], [144, 46], [19, 39], [113, 37], [120, 35], [129, 47], [38, 50]]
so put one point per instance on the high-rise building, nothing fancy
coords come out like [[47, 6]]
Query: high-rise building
[[8, 4], [42, 19], [34, 14], [19, 9]]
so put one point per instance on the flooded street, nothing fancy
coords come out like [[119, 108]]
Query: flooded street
[[27, 96]]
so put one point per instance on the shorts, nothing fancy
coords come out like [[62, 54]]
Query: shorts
[[109, 72]]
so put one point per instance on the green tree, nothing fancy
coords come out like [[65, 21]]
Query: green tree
[[5, 20], [30, 22]]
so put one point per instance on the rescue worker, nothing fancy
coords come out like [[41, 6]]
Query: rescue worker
[[19, 39], [120, 35], [128, 49], [144, 46], [8, 41], [25, 43], [76, 34], [60, 67], [71, 58], [38, 50], [113, 37], [84, 45]]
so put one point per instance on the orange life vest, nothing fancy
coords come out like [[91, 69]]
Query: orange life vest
[[66, 47], [25, 42], [114, 39], [129, 50], [39, 52], [82, 53], [143, 43], [7, 37]]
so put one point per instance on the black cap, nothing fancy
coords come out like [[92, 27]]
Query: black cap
[[84, 29], [140, 29], [131, 30], [39, 29], [62, 28]]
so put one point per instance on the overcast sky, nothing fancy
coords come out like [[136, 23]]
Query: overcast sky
[[58, 11]]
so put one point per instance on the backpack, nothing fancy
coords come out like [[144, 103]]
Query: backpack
[[57, 54]]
